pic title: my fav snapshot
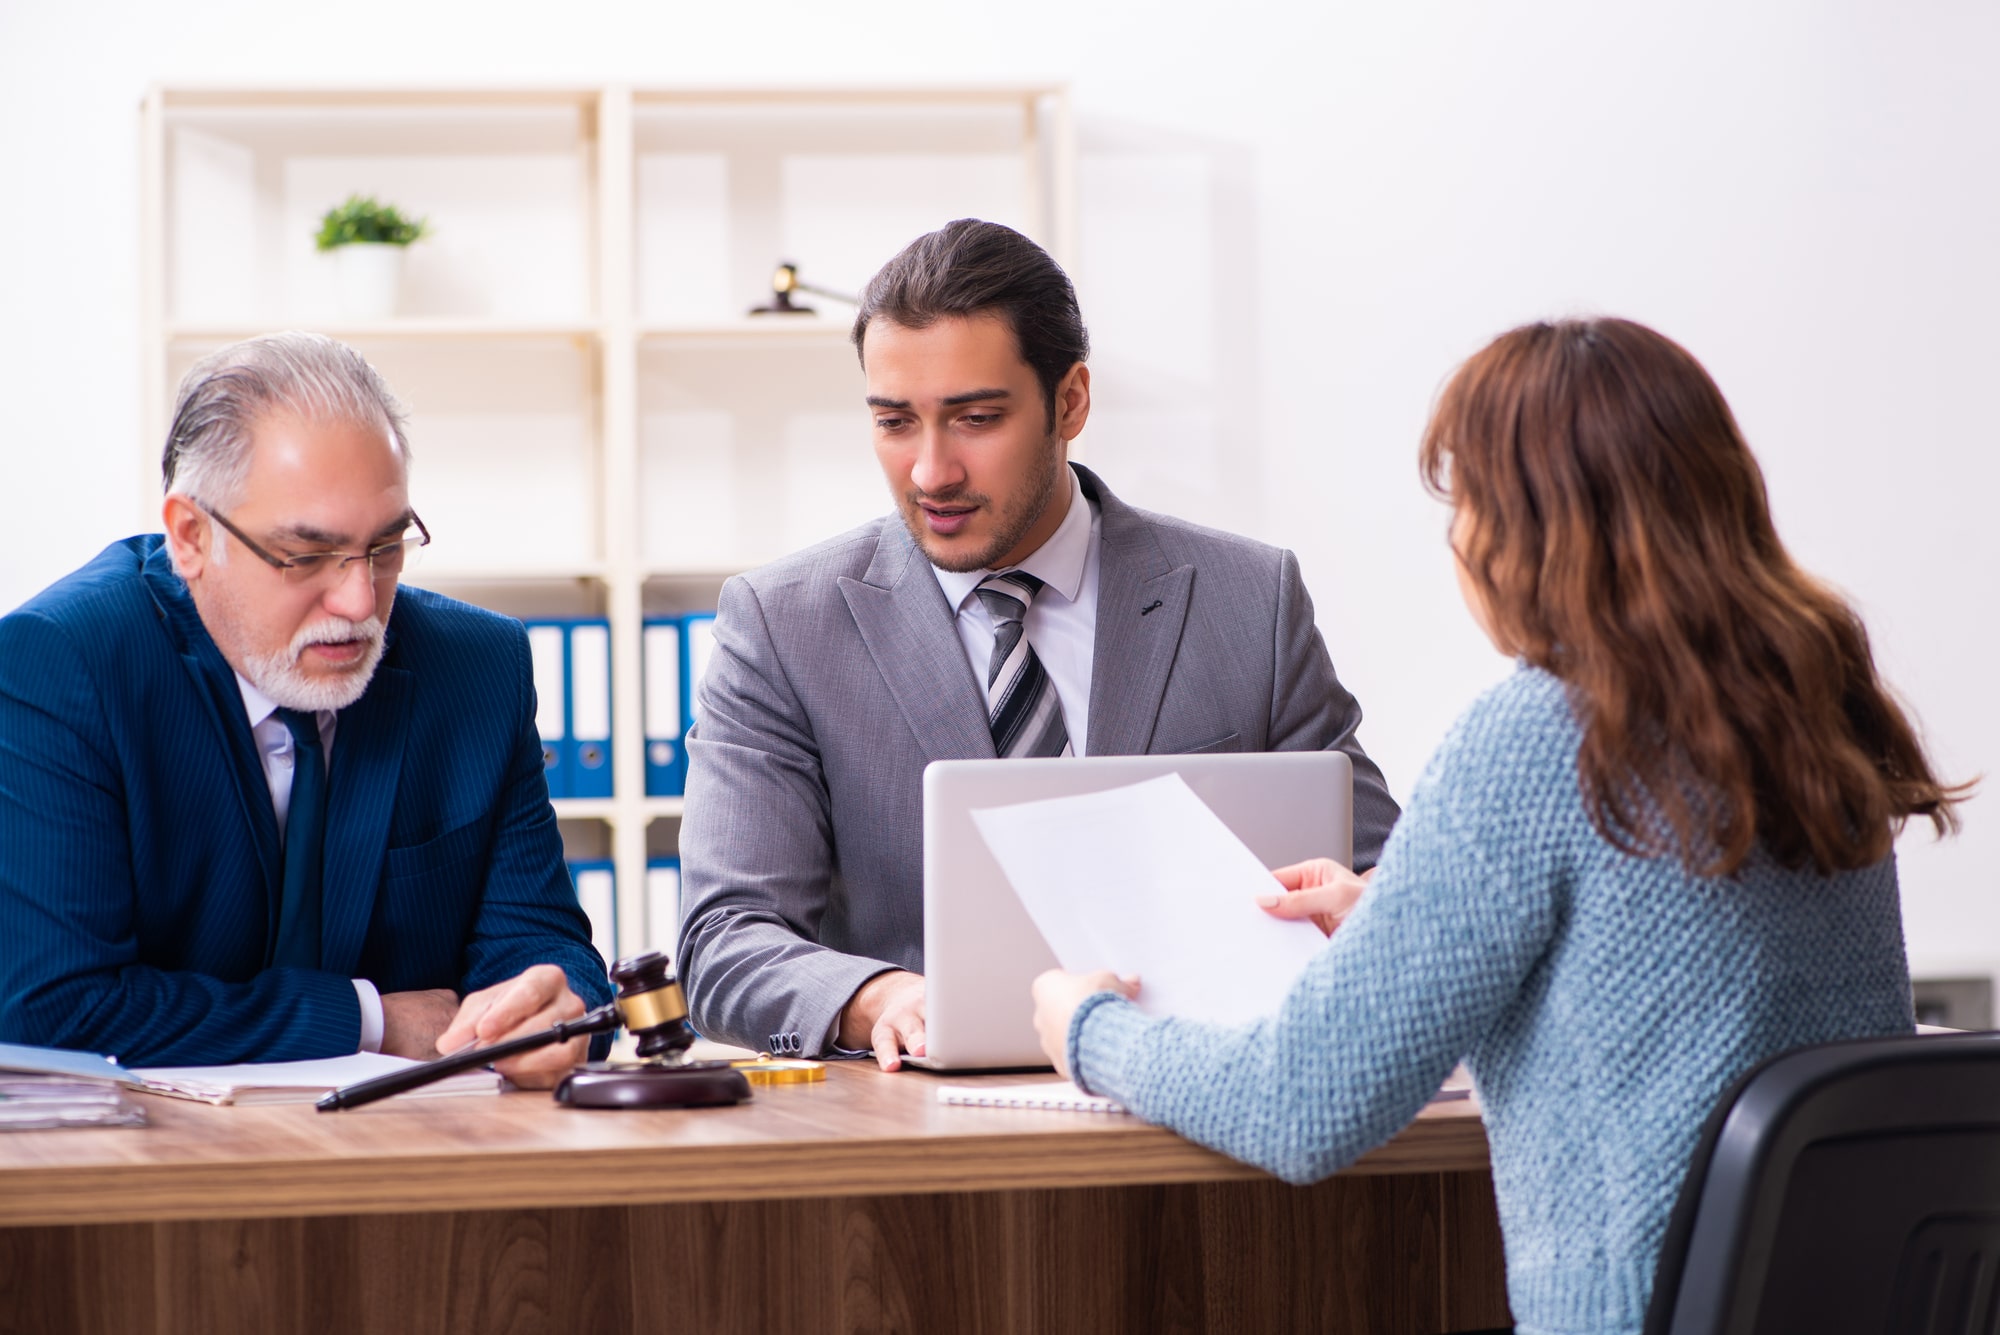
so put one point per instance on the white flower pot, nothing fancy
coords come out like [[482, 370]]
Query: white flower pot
[[368, 274]]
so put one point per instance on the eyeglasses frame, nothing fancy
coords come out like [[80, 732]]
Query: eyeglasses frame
[[285, 565]]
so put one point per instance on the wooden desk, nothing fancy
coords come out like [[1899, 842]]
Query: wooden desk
[[859, 1204]]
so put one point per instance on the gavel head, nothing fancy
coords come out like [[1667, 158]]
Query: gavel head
[[652, 1006]]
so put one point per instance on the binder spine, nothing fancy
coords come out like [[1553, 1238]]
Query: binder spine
[[663, 904], [596, 884], [548, 652], [590, 708], [666, 752]]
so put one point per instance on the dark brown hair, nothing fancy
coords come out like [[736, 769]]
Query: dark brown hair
[[1620, 536], [970, 268]]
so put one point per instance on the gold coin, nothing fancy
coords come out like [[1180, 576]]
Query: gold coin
[[768, 1070]]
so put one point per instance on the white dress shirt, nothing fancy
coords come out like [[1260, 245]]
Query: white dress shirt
[[1062, 620], [276, 750]]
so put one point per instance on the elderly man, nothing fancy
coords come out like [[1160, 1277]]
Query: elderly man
[[256, 803]]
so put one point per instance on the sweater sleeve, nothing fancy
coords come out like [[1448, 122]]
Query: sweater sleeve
[[1456, 921]]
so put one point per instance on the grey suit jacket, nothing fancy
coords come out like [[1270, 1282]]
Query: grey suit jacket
[[838, 675]]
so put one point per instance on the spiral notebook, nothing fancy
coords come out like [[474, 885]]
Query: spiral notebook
[[1048, 1095], [1064, 1096]]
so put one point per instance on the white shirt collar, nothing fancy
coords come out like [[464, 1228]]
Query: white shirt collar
[[1058, 563], [260, 707], [255, 703]]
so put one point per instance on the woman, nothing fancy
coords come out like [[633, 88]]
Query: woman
[[1657, 854]]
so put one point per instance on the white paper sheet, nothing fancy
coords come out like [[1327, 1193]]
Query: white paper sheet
[[1146, 879], [299, 1081]]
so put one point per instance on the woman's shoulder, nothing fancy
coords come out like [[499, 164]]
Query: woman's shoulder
[[1511, 753], [1528, 712], [1498, 807]]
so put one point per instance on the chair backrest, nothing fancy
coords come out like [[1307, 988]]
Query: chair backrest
[[1845, 1187]]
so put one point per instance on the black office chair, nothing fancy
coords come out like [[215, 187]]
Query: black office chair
[[1845, 1187]]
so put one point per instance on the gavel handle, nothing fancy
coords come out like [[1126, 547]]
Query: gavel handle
[[604, 1018]]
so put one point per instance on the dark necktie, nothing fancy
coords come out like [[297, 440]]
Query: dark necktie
[[305, 842], [1021, 704]]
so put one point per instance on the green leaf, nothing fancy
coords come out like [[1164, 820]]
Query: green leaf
[[362, 219]]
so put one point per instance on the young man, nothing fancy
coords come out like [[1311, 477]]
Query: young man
[[255, 805], [1012, 606]]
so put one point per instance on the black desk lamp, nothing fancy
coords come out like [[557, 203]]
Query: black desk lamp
[[784, 282]]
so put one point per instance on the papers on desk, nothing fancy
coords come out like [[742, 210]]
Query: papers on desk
[[1147, 880], [297, 1082], [45, 1102], [43, 1088]]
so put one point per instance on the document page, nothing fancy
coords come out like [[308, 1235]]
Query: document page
[[1147, 880], [299, 1081]]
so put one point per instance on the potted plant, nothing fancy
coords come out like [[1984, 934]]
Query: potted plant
[[367, 239]]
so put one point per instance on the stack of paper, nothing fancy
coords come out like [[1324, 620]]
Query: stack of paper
[[48, 1087], [40, 1102], [297, 1082]]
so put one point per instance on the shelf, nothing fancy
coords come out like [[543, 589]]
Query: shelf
[[972, 92], [255, 99], [774, 329], [428, 573], [607, 808], [600, 428], [436, 328]]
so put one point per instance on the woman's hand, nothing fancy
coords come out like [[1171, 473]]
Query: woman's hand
[[1320, 889], [1058, 994]]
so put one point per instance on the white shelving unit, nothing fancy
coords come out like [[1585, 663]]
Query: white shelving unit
[[599, 427]]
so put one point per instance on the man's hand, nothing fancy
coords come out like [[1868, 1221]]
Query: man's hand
[[412, 1021], [1057, 995], [1320, 889], [528, 1002], [886, 1013]]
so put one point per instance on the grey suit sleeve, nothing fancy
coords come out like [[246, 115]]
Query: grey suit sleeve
[[757, 857], [1311, 710]]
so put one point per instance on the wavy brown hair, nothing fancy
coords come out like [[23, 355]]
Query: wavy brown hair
[[1620, 536]]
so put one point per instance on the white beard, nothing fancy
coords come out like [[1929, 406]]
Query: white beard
[[279, 677]]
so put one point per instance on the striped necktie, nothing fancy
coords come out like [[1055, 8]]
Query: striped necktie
[[1021, 704]]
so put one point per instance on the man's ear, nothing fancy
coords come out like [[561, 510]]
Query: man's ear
[[189, 532], [1073, 403]]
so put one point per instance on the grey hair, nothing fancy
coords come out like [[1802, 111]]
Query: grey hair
[[226, 393]]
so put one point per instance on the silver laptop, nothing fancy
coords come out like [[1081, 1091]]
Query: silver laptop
[[981, 950]]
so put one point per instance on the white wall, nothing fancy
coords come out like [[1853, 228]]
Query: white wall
[[1296, 218]]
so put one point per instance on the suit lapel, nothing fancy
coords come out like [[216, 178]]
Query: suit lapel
[[907, 626], [215, 685], [361, 797], [1142, 604]]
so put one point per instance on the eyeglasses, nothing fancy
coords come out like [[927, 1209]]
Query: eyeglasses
[[326, 569]]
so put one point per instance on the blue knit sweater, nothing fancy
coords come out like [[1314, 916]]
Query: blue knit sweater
[[1603, 1003]]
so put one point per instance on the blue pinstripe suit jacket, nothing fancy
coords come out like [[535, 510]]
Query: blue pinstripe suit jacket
[[140, 862]]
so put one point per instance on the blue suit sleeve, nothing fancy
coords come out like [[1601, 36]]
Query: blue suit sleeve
[[71, 975]]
